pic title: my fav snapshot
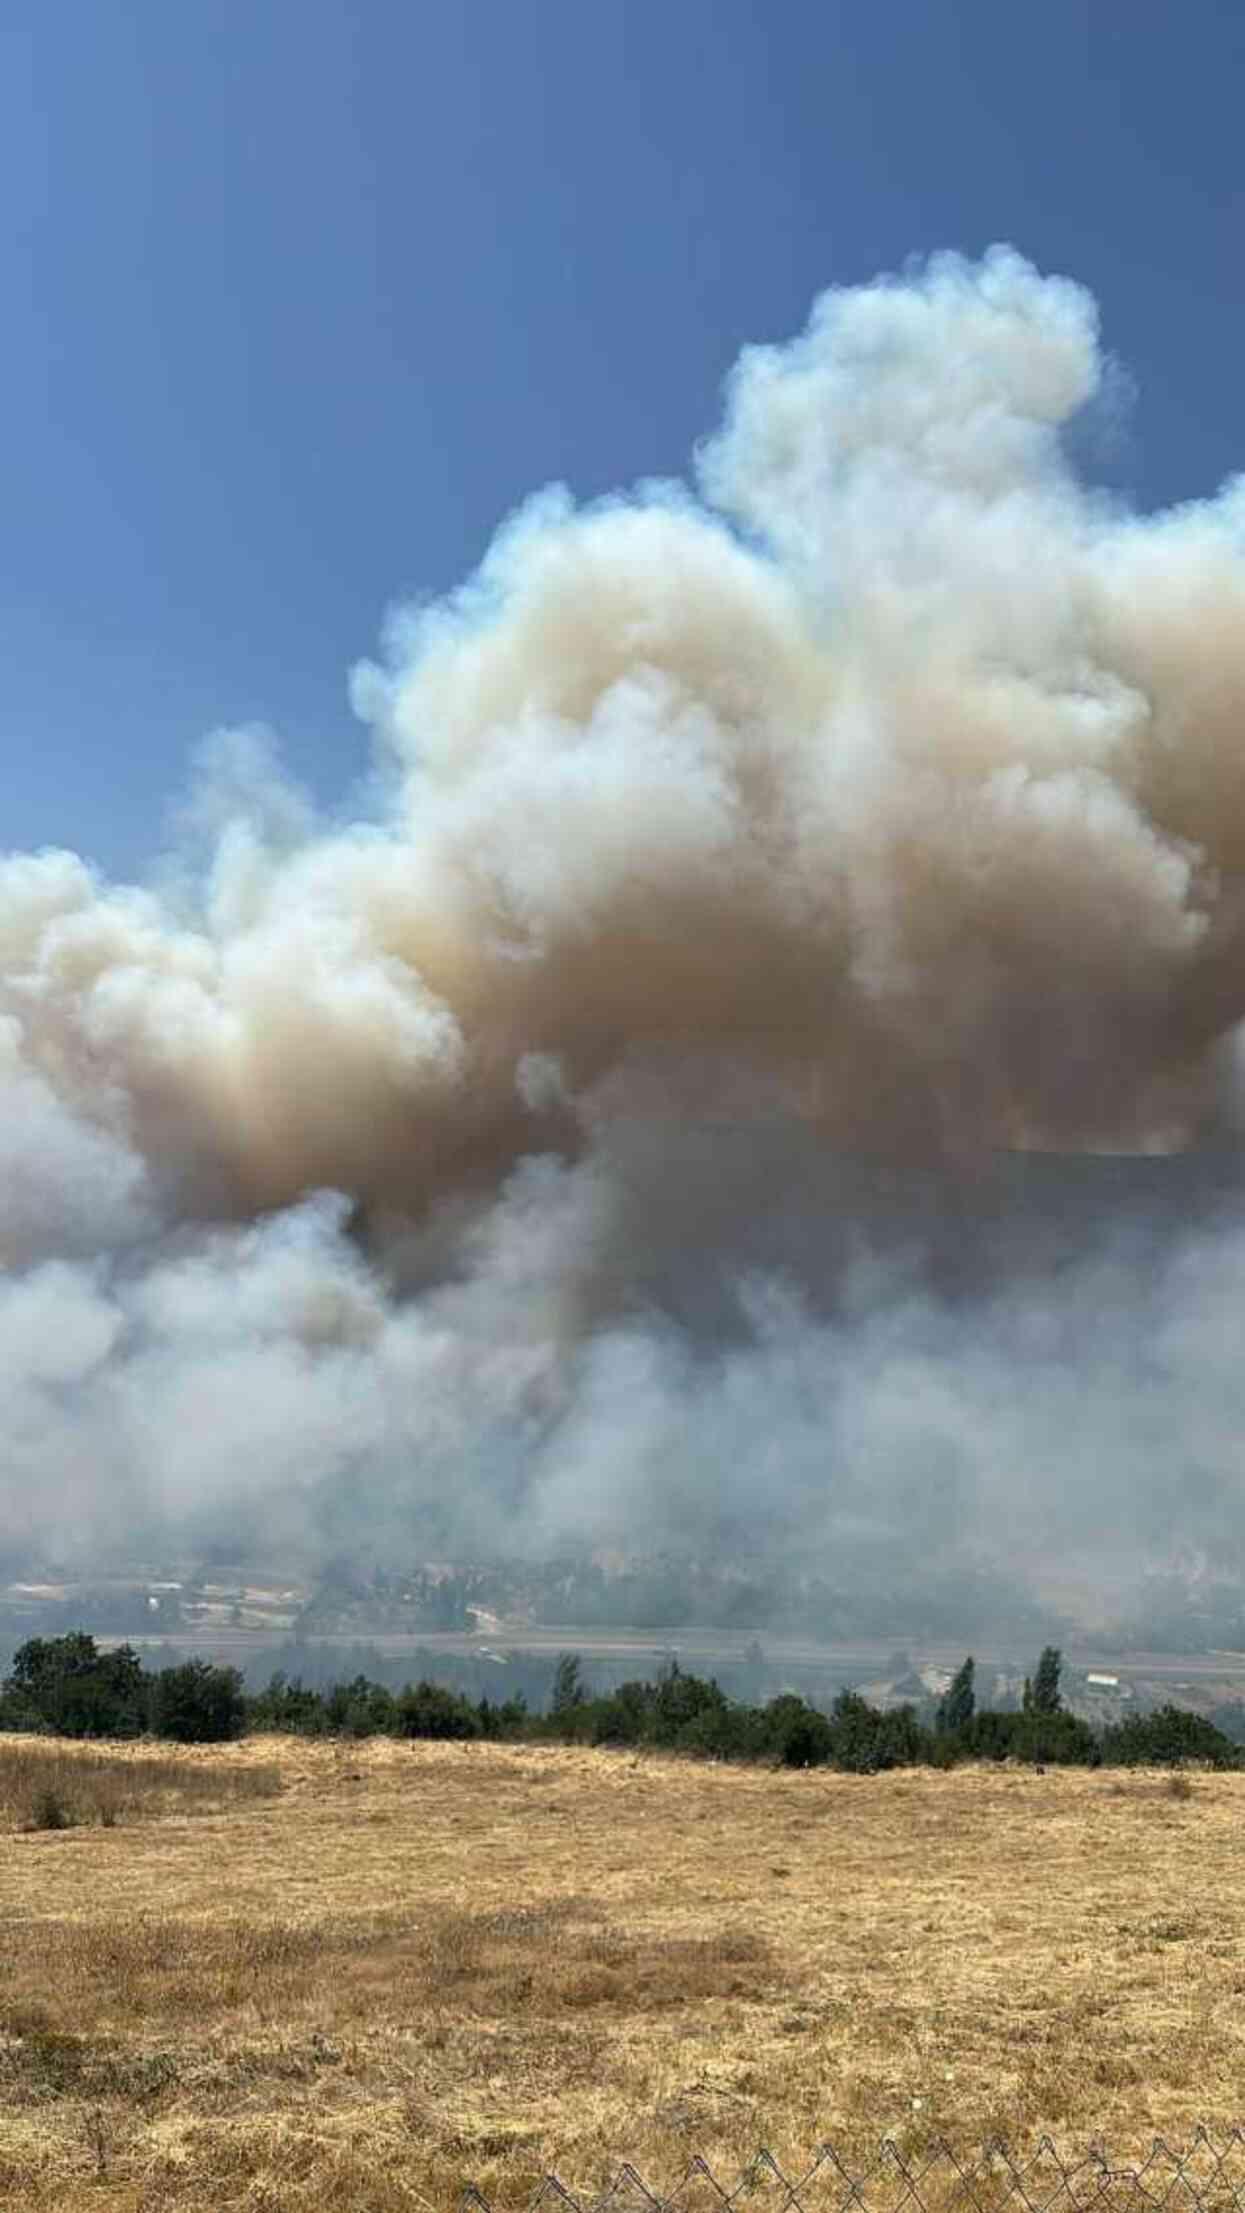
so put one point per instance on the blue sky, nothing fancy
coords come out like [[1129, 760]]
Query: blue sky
[[300, 297]]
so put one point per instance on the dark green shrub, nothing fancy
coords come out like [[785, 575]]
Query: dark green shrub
[[989, 1736], [795, 1733], [626, 1717], [902, 1742], [72, 1689], [511, 1716], [504, 1720], [683, 1704], [67, 1686], [719, 1731], [50, 1810], [1167, 1738], [429, 1710], [18, 1714], [1055, 1739], [361, 1708], [286, 1706], [197, 1703], [865, 1741]]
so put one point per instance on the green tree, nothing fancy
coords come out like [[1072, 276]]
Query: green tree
[[197, 1703], [288, 1706], [797, 1734], [1042, 1695], [68, 1686], [360, 1708], [956, 1710], [1167, 1738], [568, 1684], [683, 1703], [626, 1717], [854, 1733], [430, 1710]]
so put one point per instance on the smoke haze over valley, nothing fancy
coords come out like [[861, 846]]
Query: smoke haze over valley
[[687, 1112]]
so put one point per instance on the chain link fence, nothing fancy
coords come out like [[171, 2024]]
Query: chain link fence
[[1205, 2176]]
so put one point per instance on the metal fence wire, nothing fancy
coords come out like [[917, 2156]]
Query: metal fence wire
[[1205, 2176]]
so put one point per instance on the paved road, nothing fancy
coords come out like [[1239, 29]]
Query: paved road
[[696, 1648]]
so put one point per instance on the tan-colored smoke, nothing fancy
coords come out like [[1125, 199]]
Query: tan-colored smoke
[[898, 783], [933, 805]]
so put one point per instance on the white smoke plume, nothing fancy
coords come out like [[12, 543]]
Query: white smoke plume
[[604, 1140]]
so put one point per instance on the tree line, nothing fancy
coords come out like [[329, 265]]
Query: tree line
[[66, 1686]]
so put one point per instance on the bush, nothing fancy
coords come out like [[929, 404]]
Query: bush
[[624, 1718], [198, 1703], [18, 1714], [720, 1732], [865, 1741], [1167, 1738], [989, 1736], [429, 1710], [795, 1733], [504, 1720], [361, 1708], [676, 1713], [67, 1686], [50, 1810], [288, 1707], [680, 1700]]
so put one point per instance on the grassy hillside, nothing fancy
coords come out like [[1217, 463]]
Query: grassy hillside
[[306, 1975]]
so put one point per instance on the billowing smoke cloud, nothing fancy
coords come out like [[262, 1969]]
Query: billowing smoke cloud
[[602, 1145]]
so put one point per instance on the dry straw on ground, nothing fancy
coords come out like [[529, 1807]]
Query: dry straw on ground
[[68, 1786], [421, 1964]]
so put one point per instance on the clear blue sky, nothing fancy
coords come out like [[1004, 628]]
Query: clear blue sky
[[300, 296]]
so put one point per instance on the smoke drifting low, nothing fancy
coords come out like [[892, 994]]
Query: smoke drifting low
[[607, 1143]]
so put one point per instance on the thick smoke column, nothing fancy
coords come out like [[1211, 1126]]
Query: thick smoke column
[[512, 1163]]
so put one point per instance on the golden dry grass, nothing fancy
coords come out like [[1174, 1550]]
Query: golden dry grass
[[423, 1964], [67, 1786]]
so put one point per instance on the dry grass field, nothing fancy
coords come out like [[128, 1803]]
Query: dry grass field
[[415, 1965], [69, 1786]]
